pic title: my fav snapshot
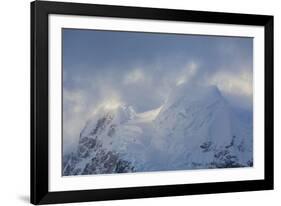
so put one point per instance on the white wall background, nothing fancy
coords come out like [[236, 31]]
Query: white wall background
[[14, 101]]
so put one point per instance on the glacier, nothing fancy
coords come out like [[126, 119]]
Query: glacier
[[195, 128]]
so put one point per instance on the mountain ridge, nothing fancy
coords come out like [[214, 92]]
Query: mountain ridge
[[194, 129]]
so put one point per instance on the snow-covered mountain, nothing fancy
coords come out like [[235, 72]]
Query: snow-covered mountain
[[195, 128]]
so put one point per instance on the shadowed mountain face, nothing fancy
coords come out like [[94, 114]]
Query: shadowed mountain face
[[194, 129]]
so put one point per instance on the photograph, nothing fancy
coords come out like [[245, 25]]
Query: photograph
[[155, 102], [131, 102]]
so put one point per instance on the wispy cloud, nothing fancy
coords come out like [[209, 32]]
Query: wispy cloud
[[134, 76], [188, 73], [235, 84]]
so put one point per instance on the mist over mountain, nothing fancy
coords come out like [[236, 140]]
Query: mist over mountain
[[195, 128]]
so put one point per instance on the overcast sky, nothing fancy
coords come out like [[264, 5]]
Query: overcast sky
[[139, 69]]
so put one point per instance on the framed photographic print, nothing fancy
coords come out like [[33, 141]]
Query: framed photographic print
[[131, 102]]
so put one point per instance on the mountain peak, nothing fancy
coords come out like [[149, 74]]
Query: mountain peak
[[193, 89], [184, 94], [116, 109]]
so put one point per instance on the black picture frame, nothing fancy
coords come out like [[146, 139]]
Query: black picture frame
[[40, 104]]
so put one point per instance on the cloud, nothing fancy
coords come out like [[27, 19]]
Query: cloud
[[111, 102], [231, 83], [237, 88], [134, 76], [189, 71]]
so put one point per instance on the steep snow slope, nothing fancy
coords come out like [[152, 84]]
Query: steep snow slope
[[194, 128], [196, 125]]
